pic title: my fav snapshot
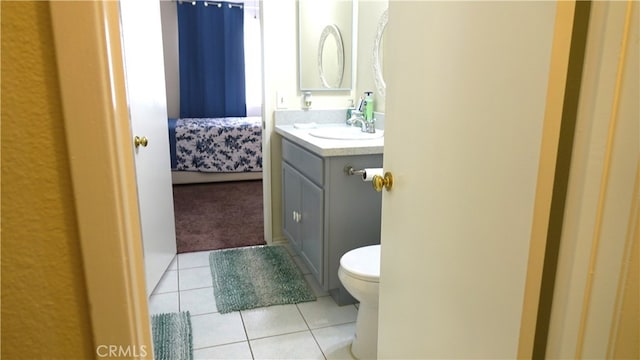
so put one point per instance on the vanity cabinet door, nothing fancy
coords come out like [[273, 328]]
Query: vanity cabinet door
[[291, 191], [303, 218], [312, 226]]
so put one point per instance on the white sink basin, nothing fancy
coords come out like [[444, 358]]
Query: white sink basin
[[345, 133]]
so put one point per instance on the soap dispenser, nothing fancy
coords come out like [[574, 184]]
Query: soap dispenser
[[307, 100], [368, 107]]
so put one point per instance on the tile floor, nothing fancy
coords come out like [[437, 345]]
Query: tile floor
[[314, 330]]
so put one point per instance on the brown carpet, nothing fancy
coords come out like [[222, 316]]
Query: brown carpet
[[218, 215]]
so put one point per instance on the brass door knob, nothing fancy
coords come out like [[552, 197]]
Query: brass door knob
[[380, 182], [137, 141]]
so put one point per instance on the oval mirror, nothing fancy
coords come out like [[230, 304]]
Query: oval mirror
[[326, 38], [331, 57], [378, 75]]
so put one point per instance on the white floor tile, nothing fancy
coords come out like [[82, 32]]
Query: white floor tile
[[174, 263], [275, 332], [225, 352], [217, 329], [163, 303], [299, 345], [195, 278], [335, 341], [193, 259], [273, 320], [315, 287], [198, 301], [168, 283], [325, 312]]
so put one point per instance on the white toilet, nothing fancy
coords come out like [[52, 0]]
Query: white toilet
[[359, 272]]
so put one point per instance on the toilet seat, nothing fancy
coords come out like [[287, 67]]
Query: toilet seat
[[362, 263]]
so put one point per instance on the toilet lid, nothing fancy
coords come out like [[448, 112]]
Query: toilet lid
[[363, 263]]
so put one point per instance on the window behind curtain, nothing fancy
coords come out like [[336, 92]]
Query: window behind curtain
[[253, 57], [212, 59]]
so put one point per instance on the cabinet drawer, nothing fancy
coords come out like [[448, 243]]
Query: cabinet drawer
[[302, 160]]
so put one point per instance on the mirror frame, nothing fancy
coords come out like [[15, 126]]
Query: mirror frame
[[354, 49], [378, 74], [335, 32]]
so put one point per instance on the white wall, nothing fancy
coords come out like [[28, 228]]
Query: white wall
[[279, 75], [169, 18]]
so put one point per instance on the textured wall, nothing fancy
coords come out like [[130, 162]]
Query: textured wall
[[626, 341], [44, 307]]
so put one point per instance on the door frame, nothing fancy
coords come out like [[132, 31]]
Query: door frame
[[557, 140], [94, 101]]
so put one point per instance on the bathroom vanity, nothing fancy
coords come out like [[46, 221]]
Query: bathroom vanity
[[326, 211]]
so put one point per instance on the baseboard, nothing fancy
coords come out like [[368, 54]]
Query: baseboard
[[193, 177], [279, 241]]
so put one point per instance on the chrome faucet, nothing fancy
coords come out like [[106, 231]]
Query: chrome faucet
[[357, 118]]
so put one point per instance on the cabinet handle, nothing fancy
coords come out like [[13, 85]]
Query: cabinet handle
[[295, 217], [299, 217]]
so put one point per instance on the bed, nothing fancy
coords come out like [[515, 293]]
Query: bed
[[215, 149]]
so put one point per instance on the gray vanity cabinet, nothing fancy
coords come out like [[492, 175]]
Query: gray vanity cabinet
[[327, 212]]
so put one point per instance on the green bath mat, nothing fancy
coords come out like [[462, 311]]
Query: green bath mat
[[172, 338], [257, 276]]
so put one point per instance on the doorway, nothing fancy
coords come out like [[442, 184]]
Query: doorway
[[216, 210]]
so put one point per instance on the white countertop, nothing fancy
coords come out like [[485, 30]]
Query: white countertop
[[329, 147]]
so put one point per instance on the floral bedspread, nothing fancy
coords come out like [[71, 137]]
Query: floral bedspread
[[219, 145]]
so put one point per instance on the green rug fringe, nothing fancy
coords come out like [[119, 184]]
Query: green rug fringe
[[256, 276], [172, 337]]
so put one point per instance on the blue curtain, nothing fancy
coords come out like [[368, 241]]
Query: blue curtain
[[211, 45]]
